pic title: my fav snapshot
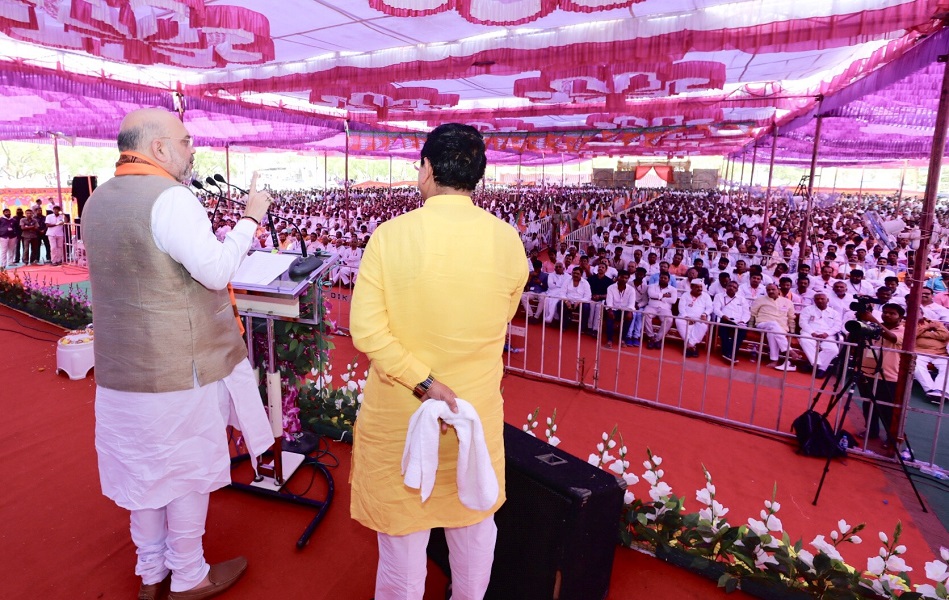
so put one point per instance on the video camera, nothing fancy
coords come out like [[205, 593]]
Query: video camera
[[858, 331], [862, 304]]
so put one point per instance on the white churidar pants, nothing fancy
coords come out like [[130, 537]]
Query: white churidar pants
[[7, 251], [664, 312], [169, 539], [692, 332], [777, 339], [56, 248], [932, 385], [403, 562], [825, 352]]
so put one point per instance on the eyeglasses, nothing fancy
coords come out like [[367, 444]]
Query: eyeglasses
[[188, 141]]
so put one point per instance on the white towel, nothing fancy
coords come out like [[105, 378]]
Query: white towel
[[477, 482]]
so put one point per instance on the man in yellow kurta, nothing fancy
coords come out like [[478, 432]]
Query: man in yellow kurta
[[436, 290]]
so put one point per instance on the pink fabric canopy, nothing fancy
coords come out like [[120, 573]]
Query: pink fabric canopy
[[545, 80]]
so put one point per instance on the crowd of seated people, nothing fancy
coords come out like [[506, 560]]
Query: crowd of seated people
[[662, 261]]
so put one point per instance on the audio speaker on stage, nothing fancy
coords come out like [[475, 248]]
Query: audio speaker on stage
[[82, 188], [558, 530]]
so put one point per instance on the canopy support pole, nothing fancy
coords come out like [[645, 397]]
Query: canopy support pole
[[766, 220], [59, 179], [836, 172], [731, 174], [561, 170], [390, 177], [326, 172], [899, 194], [520, 157], [904, 383], [346, 164], [806, 229], [863, 171], [227, 166], [754, 159], [741, 177]]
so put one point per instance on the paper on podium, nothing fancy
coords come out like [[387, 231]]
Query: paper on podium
[[260, 268]]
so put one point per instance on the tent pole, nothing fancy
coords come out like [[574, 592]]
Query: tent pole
[[346, 164], [519, 158], [741, 176], [767, 197], [836, 172], [731, 177], [806, 229], [863, 171], [326, 172], [227, 166], [754, 159], [899, 194], [561, 170], [904, 383], [59, 179], [390, 177]]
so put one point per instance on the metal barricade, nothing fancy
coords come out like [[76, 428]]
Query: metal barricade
[[569, 347]]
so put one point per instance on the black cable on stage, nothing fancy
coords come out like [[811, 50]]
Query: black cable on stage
[[15, 320], [28, 335]]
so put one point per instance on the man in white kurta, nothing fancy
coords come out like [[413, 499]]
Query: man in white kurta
[[661, 296], [695, 308], [161, 432], [555, 283], [822, 325]]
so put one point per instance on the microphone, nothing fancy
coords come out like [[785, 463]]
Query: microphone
[[300, 267], [197, 184], [219, 177], [273, 232]]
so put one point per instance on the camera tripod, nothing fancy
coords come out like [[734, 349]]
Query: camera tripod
[[849, 370]]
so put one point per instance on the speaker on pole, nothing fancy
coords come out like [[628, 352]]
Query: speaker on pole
[[82, 188], [558, 529]]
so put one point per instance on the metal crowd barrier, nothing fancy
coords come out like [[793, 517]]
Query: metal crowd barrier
[[751, 395]]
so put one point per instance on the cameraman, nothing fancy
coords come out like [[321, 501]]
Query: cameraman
[[881, 365]]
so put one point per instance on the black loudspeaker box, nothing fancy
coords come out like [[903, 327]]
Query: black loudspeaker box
[[558, 529], [82, 188]]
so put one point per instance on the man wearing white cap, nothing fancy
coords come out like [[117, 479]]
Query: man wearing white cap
[[661, 296], [694, 307], [822, 323], [349, 258]]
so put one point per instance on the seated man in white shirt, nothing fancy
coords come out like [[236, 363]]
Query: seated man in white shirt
[[857, 286], [694, 308], [575, 299], [732, 311], [930, 309], [555, 284], [619, 307], [753, 288], [661, 296], [840, 301], [823, 323], [775, 316]]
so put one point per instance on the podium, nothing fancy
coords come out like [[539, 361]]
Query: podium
[[282, 298]]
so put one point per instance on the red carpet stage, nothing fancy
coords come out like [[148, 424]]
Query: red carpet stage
[[62, 539]]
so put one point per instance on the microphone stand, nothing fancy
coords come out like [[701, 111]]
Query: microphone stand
[[270, 226], [302, 266]]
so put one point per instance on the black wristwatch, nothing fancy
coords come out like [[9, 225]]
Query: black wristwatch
[[422, 388]]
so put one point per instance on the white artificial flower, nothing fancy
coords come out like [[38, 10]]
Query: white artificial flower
[[650, 477], [758, 527], [359, 398], [525, 428], [606, 436], [944, 553], [349, 367], [843, 526], [549, 421], [657, 460], [553, 427], [362, 383], [547, 432], [897, 564], [617, 467], [710, 487], [720, 510], [594, 459], [856, 539], [822, 545], [554, 440], [647, 464], [607, 457], [703, 496], [532, 434], [706, 514], [534, 424], [630, 479], [762, 558], [883, 537], [660, 472], [901, 549], [530, 417], [628, 497], [834, 535], [344, 376], [622, 450], [352, 386], [926, 590], [876, 565], [807, 558], [660, 491], [611, 444], [936, 571]]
